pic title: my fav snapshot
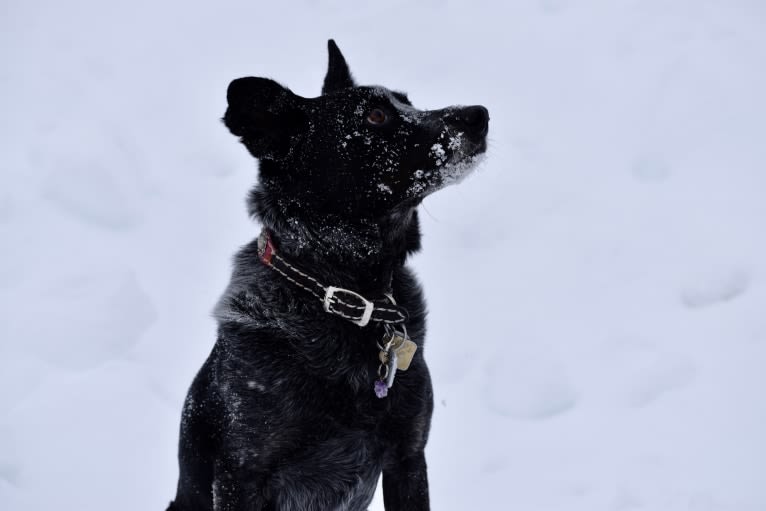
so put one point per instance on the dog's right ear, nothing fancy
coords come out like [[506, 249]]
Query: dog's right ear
[[263, 114]]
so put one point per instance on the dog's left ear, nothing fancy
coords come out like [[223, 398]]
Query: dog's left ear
[[338, 76]]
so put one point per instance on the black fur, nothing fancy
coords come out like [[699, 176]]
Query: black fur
[[282, 415]]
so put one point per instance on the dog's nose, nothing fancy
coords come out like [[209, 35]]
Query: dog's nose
[[471, 118]]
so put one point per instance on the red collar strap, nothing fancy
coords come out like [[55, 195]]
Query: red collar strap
[[336, 300]]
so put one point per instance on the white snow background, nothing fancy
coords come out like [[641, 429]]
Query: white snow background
[[597, 290]]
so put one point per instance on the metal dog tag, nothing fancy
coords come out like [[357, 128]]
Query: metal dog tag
[[404, 348], [404, 354], [392, 365]]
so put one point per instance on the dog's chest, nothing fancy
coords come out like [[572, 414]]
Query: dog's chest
[[321, 384], [321, 434]]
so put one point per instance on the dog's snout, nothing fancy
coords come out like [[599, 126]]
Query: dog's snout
[[471, 118]]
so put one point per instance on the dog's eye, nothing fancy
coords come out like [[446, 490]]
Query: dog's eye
[[376, 116]]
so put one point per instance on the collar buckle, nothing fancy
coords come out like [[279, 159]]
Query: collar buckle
[[330, 299]]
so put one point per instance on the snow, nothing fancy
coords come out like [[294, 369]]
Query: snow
[[437, 151], [597, 329]]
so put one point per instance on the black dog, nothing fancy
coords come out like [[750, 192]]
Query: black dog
[[300, 406]]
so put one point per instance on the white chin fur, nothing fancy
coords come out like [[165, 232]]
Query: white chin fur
[[451, 172], [455, 171]]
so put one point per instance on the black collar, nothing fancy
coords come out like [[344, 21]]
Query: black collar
[[336, 300]]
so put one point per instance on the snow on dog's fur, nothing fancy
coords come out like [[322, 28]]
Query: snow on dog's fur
[[282, 415]]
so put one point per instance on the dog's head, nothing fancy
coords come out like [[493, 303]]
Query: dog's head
[[361, 150]]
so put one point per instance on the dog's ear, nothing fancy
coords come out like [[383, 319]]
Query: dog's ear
[[338, 76], [264, 114]]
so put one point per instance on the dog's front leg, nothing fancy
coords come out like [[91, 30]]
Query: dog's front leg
[[405, 485], [234, 491]]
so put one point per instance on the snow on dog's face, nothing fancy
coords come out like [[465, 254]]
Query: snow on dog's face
[[354, 149]]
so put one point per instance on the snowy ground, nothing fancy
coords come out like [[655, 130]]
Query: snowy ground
[[615, 239]]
